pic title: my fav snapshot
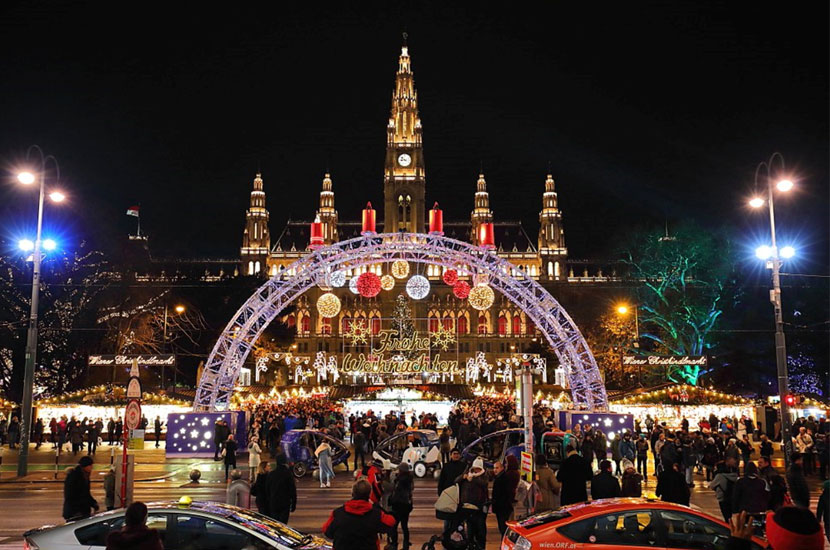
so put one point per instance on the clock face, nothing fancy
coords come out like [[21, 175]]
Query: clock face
[[404, 159]]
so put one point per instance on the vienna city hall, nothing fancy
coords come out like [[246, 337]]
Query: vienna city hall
[[428, 306]]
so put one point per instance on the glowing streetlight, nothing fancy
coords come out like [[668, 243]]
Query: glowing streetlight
[[25, 245], [180, 309], [784, 185], [763, 252], [756, 202], [26, 178], [787, 252], [622, 310], [57, 196], [49, 244]]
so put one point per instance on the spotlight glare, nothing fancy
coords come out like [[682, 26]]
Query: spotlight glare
[[756, 202], [787, 252], [763, 252], [26, 178], [25, 245], [49, 244], [784, 185], [57, 196]]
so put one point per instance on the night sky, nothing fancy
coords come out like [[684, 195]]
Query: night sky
[[646, 112]]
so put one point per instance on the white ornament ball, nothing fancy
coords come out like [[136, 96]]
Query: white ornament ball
[[417, 287], [337, 279], [353, 285]]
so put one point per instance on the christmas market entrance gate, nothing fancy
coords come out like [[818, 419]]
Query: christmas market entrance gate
[[228, 355]]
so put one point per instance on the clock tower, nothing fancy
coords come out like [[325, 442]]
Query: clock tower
[[404, 178]]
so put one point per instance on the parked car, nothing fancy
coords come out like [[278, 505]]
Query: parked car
[[299, 447], [621, 523], [554, 445], [421, 449], [495, 447], [193, 526]]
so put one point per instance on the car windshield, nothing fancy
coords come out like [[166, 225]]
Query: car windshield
[[266, 526]]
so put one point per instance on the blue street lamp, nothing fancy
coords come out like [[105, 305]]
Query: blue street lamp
[[29, 178]]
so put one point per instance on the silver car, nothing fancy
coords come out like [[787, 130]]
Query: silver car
[[192, 526]]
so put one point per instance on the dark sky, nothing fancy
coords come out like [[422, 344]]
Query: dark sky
[[645, 112]]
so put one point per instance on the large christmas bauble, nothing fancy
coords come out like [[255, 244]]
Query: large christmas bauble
[[481, 297], [368, 285]]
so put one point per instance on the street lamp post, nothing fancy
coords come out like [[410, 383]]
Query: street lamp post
[[623, 309], [28, 178], [775, 298], [179, 309]]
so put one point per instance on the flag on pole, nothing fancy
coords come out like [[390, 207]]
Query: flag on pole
[[132, 211]]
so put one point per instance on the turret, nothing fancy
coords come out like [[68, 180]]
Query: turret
[[327, 214], [481, 209], [552, 248], [256, 240]]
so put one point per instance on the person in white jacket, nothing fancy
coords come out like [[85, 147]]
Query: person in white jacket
[[254, 452]]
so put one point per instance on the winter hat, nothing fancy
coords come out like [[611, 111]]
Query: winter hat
[[478, 463], [85, 461], [626, 464], [794, 528]]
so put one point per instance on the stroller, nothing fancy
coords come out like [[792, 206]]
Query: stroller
[[454, 536]]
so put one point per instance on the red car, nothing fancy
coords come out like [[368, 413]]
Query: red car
[[623, 523]]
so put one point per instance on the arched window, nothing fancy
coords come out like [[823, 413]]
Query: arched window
[[250, 268], [447, 322], [502, 325], [292, 321], [462, 325], [256, 267], [306, 324], [325, 325], [531, 328], [375, 325], [482, 324], [346, 324], [550, 269], [517, 325], [433, 324], [274, 270], [556, 269]]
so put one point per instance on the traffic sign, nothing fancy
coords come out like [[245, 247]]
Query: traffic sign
[[132, 416], [134, 389]]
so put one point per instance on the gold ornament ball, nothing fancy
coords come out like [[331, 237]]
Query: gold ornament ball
[[328, 305], [400, 269], [481, 297], [387, 282]]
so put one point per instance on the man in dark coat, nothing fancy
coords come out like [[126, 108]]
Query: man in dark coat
[[221, 431], [451, 470], [282, 491], [797, 483], [77, 498], [504, 492], [573, 474], [357, 524], [604, 484], [671, 485], [157, 428], [751, 493]]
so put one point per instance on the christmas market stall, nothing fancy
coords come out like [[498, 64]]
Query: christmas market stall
[[107, 402], [674, 403]]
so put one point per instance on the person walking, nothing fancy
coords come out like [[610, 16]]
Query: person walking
[[14, 432], [91, 438], [281, 491], [723, 484], [632, 482], [77, 497], [326, 471], [450, 471], [157, 424], [473, 496], [400, 501], [444, 440], [239, 491], [359, 443], [642, 456], [260, 488], [600, 446], [671, 485], [797, 481], [38, 436], [604, 484], [548, 485], [574, 473], [110, 431], [254, 457], [504, 493], [134, 535], [357, 524], [751, 493], [710, 458], [229, 454], [627, 451]]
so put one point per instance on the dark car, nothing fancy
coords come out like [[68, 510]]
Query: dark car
[[495, 447], [299, 447]]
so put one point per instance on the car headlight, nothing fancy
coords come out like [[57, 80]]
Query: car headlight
[[522, 544]]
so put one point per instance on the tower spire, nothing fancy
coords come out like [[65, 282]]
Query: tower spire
[[327, 214], [551, 233], [481, 209], [256, 240]]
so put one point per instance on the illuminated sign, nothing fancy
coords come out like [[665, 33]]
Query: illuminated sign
[[665, 360], [149, 360], [395, 355]]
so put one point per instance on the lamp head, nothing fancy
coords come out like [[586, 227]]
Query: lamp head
[[756, 202], [763, 252], [26, 178], [180, 309], [784, 185], [57, 196], [622, 309]]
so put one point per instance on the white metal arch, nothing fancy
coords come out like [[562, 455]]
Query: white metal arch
[[228, 355]]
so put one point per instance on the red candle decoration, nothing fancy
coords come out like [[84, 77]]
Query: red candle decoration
[[485, 236], [368, 285], [368, 220], [461, 289], [436, 220], [316, 234], [450, 277]]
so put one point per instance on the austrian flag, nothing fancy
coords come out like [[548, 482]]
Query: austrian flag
[[132, 211]]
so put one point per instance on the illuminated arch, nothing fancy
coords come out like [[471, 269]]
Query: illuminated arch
[[548, 317]]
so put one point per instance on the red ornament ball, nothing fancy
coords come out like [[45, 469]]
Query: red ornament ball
[[461, 289], [368, 285], [451, 277]]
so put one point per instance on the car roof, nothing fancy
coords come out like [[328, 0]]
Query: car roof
[[617, 504]]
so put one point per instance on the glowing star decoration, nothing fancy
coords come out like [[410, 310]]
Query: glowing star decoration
[[337, 279], [328, 305], [450, 277], [461, 290], [368, 285], [417, 287], [387, 282], [481, 297], [358, 332], [442, 337], [353, 285], [400, 269]]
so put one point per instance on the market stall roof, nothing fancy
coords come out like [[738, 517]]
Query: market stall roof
[[680, 394], [104, 396]]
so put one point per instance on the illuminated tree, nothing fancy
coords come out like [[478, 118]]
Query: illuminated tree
[[609, 338], [684, 282]]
